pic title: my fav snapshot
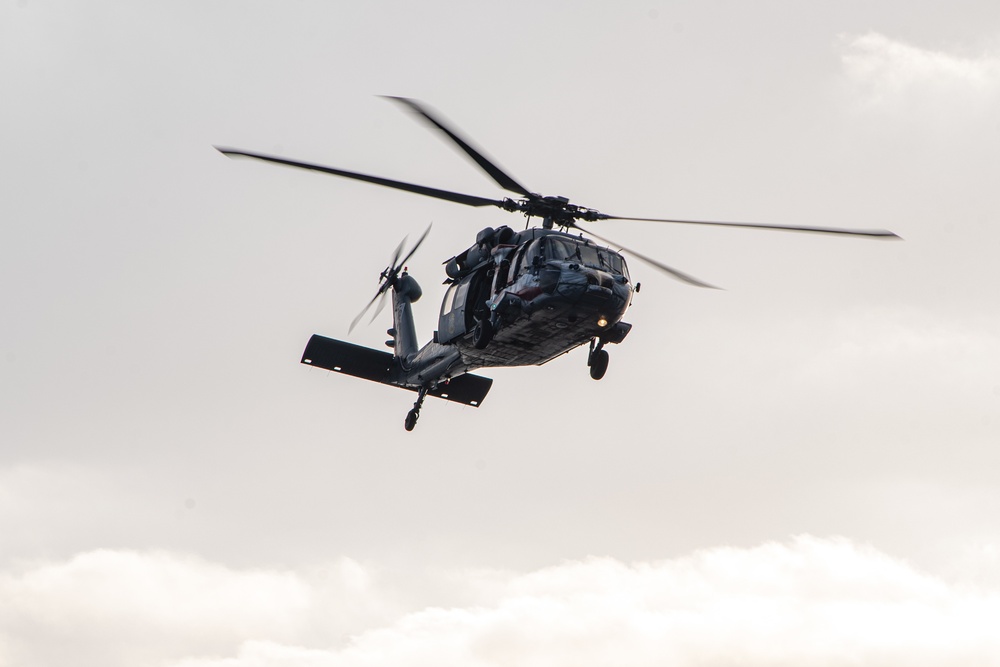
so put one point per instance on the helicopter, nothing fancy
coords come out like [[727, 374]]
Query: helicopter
[[513, 298]]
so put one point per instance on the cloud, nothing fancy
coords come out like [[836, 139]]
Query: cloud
[[110, 607], [805, 602], [889, 75]]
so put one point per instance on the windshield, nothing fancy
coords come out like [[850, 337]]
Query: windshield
[[586, 254]]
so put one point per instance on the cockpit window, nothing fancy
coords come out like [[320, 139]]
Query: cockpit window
[[586, 254], [533, 250], [561, 249]]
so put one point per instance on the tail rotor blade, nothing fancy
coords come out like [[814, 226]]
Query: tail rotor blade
[[410, 254], [381, 305], [396, 253], [364, 310], [388, 279]]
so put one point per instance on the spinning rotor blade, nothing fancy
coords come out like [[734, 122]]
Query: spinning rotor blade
[[871, 233], [354, 322], [381, 289], [503, 179], [395, 255], [574, 213], [673, 273], [380, 307], [457, 197], [427, 231], [388, 278]]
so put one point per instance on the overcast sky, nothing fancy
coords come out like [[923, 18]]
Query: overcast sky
[[798, 470]]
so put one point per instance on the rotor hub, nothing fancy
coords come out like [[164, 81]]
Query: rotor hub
[[554, 210]]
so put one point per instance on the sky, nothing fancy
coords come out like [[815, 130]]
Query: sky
[[799, 469]]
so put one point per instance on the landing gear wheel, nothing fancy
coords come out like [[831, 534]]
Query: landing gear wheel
[[414, 414], [598, 364], [482, 334]]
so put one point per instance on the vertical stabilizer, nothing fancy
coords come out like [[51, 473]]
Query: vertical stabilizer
[[405, 291]]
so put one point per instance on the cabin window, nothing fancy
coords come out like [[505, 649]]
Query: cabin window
[[518, 260], [449, 299]]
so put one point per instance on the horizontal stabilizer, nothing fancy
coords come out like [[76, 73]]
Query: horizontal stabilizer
[[467, 389], [348, 358], [376, 365]]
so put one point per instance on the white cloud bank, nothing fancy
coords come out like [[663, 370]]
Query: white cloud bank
[[890, 75], [806, 602]]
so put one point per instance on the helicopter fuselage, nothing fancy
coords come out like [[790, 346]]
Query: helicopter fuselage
[[513, 299], [539, 292]]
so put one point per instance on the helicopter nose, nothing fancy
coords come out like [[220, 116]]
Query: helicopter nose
[[599, 278]]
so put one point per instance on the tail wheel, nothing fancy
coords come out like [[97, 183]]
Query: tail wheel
[[599, 364], [411, 420], [482, 334]]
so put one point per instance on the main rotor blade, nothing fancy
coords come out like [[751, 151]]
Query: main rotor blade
[[457, 197], [673, 273], [870, 233], [502, 178]]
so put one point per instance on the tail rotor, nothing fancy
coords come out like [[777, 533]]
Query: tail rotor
[[388, 278]]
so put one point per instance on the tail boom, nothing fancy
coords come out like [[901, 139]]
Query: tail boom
[[382, 367]]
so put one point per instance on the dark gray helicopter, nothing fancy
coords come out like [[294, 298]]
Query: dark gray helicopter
[[514, 298]]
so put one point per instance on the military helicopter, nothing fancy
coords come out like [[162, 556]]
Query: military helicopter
[[513, 298]]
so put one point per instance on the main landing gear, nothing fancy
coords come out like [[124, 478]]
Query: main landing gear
[[598, 359], [414, 414], [482, 334]]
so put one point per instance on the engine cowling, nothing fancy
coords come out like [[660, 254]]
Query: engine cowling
[[459, 266]]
